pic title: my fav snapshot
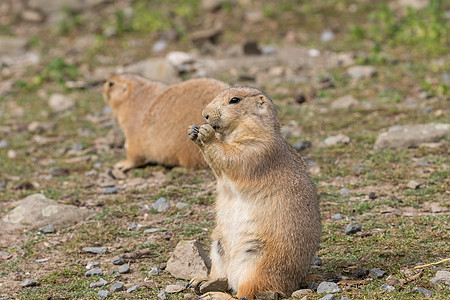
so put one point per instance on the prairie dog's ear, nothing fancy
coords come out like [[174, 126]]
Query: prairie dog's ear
[[262, 101]]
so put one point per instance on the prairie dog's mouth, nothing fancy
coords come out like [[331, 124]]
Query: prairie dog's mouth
[[214, 126]]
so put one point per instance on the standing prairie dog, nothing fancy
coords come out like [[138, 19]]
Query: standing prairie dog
[[154, 117], [267, 211]]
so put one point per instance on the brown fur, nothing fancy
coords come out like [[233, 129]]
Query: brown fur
[[267, 211], [154, 117]]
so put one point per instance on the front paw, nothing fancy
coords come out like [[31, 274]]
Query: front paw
[[196, 282], [206, 133], [193, 132]]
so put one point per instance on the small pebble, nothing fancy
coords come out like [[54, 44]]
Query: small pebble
[[111, 190], [372, 196], [353, 228], [154, 271], [161, 205], [300, 146], [424, 292], [134, 288], [132, 227], [162, 295], [41, 260], [103, 294], [101, 282], [4, 144], [47, 229], [328, 287], [344, 191], [377, 273], [92, 272], [116, 287], [316, 261], [92, 264], [29, 282], [151, 230], [95, 250], [125, 268], [174, 288], [336, 217], [387, 288], [181, 205], [118, 261]]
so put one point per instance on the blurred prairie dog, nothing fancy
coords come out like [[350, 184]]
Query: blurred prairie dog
[[267, 211], [154, 117]]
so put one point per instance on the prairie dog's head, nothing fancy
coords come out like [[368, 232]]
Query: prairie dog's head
[[238, 105], [117, 89]]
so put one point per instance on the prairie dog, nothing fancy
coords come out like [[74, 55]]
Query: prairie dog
[[267, 211], [154, 117]]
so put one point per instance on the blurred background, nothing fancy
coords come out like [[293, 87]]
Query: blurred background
[[361, 88]]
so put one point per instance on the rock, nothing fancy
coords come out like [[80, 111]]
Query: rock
[[11, 154], [189, 260], [201, 36], [29, 282], [151, 230], [336, 217], [372, 196], [392, 280], [377, 273], [387, 288], [344, 102], [92, 264], [95, 250], [93, 272], [313, 286], [345, 191], [360, 72], [267, 295], [360, 273], [442, 276], [36, 210], [211, 5], [111, 190], [301, 293], [59, 102], [125, 268], [12, 46], [41, 260], [154, 271], [161, 205], [328, 287], [181, 205], [337, 139], [40, 127], [4, 144], [4, 255], [32, 16], [47, 229], [353, 228], [155, 69], [411, 136], [251, 48], [190, 297], [180, 60], [435, 209], [316, 261], [300, 146], [327, 35], [132, 227], [103, 294], [118, 261], [329, 297], [313, 52], [134, 288], [174, 288], [162, 295], [412, 184], [424, 292], [159, 46], [101, 282], [215, 285], [116, 287]]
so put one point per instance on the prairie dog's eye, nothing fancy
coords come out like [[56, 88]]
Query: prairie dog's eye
[[111, 83], [234, 100]]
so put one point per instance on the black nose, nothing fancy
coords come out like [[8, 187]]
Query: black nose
[[207, 117]]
